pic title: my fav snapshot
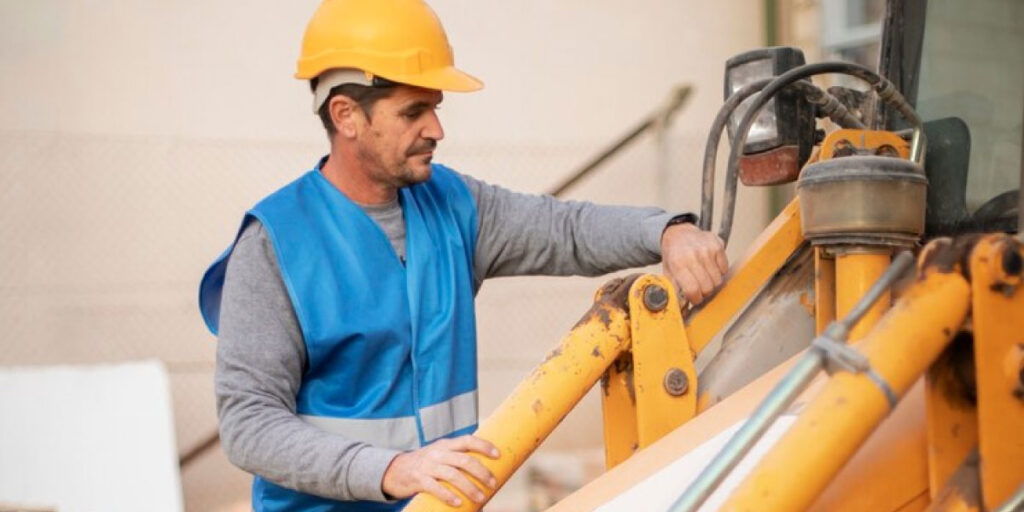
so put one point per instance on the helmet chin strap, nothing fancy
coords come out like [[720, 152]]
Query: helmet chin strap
[[334, 77]]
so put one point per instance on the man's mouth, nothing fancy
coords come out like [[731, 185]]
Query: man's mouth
[[425, 157], [426, 149]]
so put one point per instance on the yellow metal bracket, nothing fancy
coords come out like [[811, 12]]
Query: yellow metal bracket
[[996, 267], [875, 141], [952, 419], [651, 390]]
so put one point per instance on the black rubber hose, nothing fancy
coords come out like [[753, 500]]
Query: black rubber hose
[[829, 105], [884, 88], [707, 193]]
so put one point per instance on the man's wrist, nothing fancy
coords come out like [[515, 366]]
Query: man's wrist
[[365, 477], [682, 218]]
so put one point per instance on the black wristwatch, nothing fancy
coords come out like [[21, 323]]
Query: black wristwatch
[[682, 218]]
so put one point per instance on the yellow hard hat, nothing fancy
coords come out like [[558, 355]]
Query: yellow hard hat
[[400, 40]]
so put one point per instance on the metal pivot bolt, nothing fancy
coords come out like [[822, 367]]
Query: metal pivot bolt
[[655, 298], [676, 382]]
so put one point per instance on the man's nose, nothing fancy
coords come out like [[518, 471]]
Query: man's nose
[[433, 129]]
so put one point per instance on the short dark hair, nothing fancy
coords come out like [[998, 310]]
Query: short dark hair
[[364, 96]]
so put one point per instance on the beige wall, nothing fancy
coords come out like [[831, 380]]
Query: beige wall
[[799, 25], [133, 136]]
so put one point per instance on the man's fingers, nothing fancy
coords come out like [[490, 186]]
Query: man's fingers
[[459, 480], [471, 465], [688, 284], [722, 261], [695, 261], [707, 259], [704, 280], [474, 444], [439, 491]]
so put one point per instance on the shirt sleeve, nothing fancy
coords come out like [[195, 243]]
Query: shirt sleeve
[[260, 359], [525, 234]]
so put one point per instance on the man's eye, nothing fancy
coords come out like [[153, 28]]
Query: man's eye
[[417, 113]]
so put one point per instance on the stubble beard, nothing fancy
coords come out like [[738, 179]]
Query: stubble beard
[[397, 175], [418, 151]]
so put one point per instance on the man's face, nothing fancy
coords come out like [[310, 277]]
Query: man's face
[[398, 143]]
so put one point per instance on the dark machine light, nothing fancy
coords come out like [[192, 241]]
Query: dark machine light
[[786, 118]]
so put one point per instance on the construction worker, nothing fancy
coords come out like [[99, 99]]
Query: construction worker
[[346, 363]]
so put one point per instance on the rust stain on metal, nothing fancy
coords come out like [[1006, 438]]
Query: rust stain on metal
[[953, 372], [1003, 288], [603, 315], [586, 317], [553, 354], [623, 365], [614, 296], [947, 255]]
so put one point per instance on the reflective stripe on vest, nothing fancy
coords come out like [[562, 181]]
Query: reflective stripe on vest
[[438, 420], [449, 416]]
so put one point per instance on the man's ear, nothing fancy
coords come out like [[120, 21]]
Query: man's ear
[[346, 115]]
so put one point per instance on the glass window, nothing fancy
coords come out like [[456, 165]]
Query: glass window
[[972, 68], [851, 30]]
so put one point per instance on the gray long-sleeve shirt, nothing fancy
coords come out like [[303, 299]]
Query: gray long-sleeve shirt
[[261, 354]]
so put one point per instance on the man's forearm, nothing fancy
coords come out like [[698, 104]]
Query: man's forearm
[[530, 234], [283, 449]]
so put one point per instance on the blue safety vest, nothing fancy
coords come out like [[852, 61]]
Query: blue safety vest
[[391, 348]]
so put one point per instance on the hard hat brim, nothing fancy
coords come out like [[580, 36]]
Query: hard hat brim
[[441, 79]]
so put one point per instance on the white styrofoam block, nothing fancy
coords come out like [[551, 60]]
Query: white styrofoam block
[[88, 438], [658, 491]]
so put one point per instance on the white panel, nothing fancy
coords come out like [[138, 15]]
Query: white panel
[[660, 490], [96, 438]]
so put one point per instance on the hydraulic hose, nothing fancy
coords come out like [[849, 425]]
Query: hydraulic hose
[[707, 195], [830, 105]]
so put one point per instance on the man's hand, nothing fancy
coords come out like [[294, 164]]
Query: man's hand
[[444, 460], [694, 260]]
